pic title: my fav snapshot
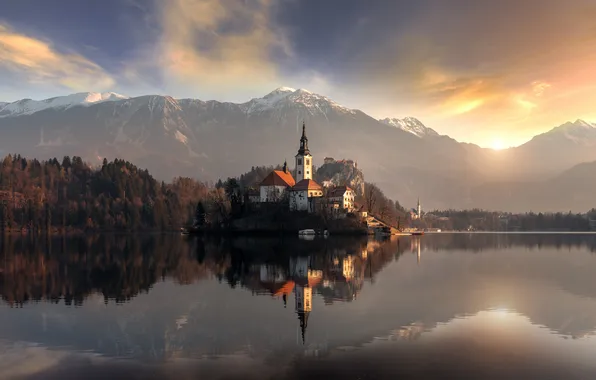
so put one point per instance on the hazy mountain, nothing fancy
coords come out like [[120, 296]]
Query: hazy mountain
[[412, 125], [558, 149], [571, 190], [211, 139]]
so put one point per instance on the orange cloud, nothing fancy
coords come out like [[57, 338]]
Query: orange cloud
[[475, 70], [40, 62], [200, 45]]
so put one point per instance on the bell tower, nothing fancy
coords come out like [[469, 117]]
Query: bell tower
[[303, 159]]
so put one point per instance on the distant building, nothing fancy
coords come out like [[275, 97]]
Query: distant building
[[328, 160], [416, 213]]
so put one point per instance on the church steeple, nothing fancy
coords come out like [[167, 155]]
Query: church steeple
[[303, 151], [303, 317], [285, 168], [303, 159]]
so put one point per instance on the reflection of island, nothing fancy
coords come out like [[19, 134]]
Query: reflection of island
[[336, 274], [121, 267], [208, 318]]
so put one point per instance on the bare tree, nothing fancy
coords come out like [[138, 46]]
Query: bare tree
[[370, 196]]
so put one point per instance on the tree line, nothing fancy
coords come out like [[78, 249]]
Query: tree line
[[481, 220], [116, 195]]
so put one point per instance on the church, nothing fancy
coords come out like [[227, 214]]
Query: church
[[301, 191]]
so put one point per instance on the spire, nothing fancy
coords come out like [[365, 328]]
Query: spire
[[303, 317], [303, 142], [285, 168]]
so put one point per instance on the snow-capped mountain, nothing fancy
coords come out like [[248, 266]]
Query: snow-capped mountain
[[286, 96], [29, 106], [211, 140], [578, 132], [411, 125]]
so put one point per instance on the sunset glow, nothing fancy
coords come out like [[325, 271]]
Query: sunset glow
[[498, 144], [468, 69]]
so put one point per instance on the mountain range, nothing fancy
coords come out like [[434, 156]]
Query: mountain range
[[211, 139]]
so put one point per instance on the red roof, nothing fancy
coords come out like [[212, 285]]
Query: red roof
[[279, 178], [339, 191], [307, 184]]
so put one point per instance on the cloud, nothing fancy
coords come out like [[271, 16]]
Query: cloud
[[41, 63], [220, 44], [471, 67]]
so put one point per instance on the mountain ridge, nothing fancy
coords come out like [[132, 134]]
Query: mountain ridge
[[212, 139]]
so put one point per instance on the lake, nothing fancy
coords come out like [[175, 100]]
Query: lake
[[461, 306]]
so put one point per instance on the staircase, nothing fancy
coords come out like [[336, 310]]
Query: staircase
[[376, 225]]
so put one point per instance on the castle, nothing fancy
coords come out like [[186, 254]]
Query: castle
[[300, 190]]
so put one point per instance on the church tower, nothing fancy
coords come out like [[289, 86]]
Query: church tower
[[303, 159], [419, 209]]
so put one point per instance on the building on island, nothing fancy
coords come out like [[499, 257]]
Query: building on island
[[342, 197], [304, 194], [301, 191], [274, 186]]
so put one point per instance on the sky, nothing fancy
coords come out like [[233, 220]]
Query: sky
[[489, 72]]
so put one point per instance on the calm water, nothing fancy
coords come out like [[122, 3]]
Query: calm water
[[456, 306]]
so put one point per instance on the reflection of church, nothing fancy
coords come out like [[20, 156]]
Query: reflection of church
[[335, 277]]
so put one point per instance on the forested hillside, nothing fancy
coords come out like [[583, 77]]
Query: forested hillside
[[70, 194]]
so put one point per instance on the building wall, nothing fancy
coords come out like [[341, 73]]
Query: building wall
[[299, 200], [303, 168], [346, 201], [272, 193]]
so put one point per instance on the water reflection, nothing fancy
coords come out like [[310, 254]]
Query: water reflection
[[164, 298]]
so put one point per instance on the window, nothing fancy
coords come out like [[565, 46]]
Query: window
[[299, 172], [307, 161], [300, 161], [308, 172]]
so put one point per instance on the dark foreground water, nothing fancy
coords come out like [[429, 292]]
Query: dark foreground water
[[439, 306]]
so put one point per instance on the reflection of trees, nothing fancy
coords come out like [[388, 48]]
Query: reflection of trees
[[119, 267], [122, 266], [477, 242]]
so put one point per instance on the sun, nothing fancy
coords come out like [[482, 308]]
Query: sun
[[497, 144]]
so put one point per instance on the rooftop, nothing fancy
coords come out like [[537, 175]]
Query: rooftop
[[279, 178], [307, 184], [339, 191]]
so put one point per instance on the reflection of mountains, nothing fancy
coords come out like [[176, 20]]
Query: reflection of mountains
[[121, 267]]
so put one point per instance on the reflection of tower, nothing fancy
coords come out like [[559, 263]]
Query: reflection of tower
[[418, 252], [299, 266], [303, 306]]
